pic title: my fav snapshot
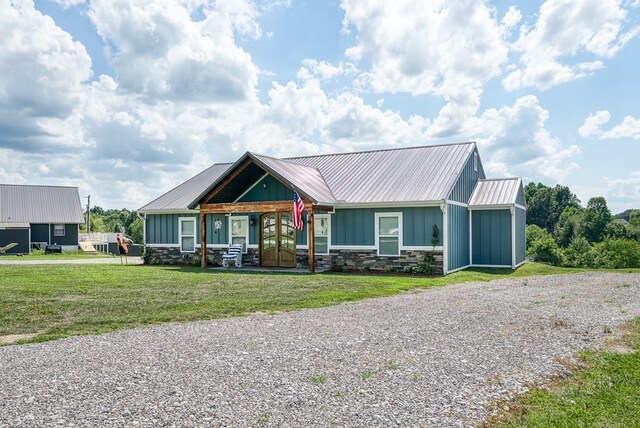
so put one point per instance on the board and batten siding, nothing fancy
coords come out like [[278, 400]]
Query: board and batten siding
[[521, 240], [274, 191], [491, 237], [458, 237], [349, 227], [463, 188], [356, 226], [40, 232], [163, 229], [70, 235], [18, 236]]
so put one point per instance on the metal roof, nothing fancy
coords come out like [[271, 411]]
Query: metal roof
[[412, 174], [306, 179], [180, 197], [15, 225], [39, 204], [496, 192]]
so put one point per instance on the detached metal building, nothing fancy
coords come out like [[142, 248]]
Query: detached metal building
[[39, 216]]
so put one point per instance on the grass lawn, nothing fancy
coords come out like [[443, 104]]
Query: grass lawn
[[67, 255], [605, 395], [45, 302]]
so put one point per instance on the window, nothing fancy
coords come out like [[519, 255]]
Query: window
[[58, 230], [475, 161], [388, 233], [187, 234], [239, 231], [322, 230]]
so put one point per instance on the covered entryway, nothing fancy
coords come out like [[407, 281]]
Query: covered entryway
[[277, 240]]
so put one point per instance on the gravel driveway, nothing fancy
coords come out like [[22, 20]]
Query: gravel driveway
[[430, 358]]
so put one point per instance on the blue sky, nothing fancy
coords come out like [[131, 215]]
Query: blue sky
[[128, 98]]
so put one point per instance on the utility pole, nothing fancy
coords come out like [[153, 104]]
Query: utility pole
[[89, 214]]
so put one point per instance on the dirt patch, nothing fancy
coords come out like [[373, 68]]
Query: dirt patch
[[13, 338]]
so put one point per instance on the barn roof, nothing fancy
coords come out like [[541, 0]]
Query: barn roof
[[412, 174], [39, 204]]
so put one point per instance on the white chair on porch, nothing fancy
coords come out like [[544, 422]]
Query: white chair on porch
[[234, 254]]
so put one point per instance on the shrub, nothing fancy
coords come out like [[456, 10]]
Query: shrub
[[620, 253], [579, 253], [546, 250], [534, 233]]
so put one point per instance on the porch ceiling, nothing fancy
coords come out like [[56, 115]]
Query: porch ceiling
[[238, 185]]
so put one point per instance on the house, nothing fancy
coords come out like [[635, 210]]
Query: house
[[373, 209], [36, 216]]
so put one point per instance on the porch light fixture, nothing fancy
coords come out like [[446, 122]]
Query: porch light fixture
[[264, 184], [252, 221]]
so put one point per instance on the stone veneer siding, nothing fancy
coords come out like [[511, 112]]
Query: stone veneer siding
[[358, 260]]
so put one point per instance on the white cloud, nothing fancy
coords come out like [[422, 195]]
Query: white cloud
[[159, 51], [592, 127], [42, 71], [448, 49], [66, 4], [324, 71], [514, 141], [623, 192], [566, 29]]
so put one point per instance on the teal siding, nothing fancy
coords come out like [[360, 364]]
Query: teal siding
[[491, 237], [521, 241], [275, 191], [467, 180], [458, 238], [348, 227], [357, 226], [520, 197]]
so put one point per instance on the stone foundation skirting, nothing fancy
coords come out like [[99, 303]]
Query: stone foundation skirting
[[364, 260], [347, 260]]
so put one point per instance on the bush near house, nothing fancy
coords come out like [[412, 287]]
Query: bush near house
[[563, 233]]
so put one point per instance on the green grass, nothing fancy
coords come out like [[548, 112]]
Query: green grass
[[54, 301], [67, 255], [605, 395]]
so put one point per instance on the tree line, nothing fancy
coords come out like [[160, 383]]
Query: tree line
[[118, 221], [562, 232]]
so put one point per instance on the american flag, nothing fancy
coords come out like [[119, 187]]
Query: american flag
[[298, 207]]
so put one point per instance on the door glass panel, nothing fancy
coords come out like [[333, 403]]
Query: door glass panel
[[388, 226]]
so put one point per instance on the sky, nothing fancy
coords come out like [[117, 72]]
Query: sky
[[126, 99]]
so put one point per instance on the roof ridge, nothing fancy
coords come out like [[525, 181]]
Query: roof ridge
[[500, 179], [40, 185], [426, 146]]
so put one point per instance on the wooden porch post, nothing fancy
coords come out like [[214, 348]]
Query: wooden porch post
[[203, 240], [310, 239]]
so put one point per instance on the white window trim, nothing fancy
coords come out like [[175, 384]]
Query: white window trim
[[240, 217], [64, 231], [328, 217], [180, 235], [377, 232]]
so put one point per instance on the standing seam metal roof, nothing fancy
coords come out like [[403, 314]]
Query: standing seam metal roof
[[40, 204], [411, 174], [496, 192]]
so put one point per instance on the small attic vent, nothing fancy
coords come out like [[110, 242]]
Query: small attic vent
[[475, 161]]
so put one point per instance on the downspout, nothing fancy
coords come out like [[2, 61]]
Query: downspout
[[513, 236], [445, 238]]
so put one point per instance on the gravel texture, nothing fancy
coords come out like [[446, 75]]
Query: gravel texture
[[438, 357]]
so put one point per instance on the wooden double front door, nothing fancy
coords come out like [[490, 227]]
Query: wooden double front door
[[277, 240]]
